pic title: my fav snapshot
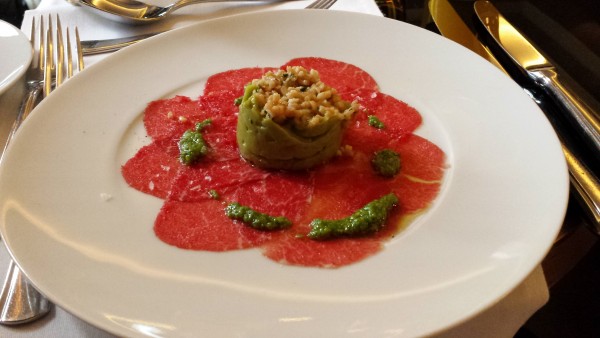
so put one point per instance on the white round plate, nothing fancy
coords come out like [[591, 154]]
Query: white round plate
[[15, 55], [85, 238]]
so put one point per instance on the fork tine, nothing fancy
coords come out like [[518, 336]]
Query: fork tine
[[60, 53], [41, 47], [58, 67], [80, 64], [32, 38], [321, 4], [70, 53], [313, 4], [69, 56], [36, 43], [48, 64], [327, 4]]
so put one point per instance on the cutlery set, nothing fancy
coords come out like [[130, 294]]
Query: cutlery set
[[538, 68], [584, 180], [545, 76]]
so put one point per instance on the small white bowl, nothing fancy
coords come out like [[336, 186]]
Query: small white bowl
[[15, 55]]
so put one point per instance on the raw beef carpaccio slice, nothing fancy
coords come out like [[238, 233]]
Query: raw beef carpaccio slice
[[194, 183], [196, 221], [234, 80], [342, 76], [204, 226], [399, 119], [168, 117], [340, 188], [153, 168]]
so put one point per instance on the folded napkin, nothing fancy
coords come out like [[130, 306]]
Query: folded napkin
[[501, 320]]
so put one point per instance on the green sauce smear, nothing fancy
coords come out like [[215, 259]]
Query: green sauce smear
[[375, 122], [365, 221], [386, 163], [192, 146], [255, 219], [214, 194]]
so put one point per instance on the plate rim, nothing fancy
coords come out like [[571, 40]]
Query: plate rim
[[184, 31]]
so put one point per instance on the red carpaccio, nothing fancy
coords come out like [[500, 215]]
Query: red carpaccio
[[191, 219]]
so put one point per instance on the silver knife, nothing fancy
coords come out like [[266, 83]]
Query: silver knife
[[538, 68], [91, 47], [583, 180]]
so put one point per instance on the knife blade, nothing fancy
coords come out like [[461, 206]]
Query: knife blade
[[451, 26], [92, 47], [539, 69]]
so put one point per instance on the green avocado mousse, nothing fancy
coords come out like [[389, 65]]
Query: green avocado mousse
[[290, 120]]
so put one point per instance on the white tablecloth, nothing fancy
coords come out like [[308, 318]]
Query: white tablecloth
[[501, 320]]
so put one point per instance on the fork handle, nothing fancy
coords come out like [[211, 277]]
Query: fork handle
[[27, 105], [19, 300]]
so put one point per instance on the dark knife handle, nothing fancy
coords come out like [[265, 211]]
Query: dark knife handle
[[578, 110], [587, 186], [584, 182]]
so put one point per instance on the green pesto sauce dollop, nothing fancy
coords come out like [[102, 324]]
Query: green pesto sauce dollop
[[192, 146], [255, 219], [375, 122], [365, 221], [386, 163]]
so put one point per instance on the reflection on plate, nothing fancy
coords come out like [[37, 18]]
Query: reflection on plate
[[15, 57], [96, 255]]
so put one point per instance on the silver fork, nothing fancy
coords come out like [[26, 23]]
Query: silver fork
[[20, 302], [321, 4]]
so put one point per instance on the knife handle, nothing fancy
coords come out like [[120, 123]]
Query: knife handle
[[587, 186], [93, 47], [578, 110]]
